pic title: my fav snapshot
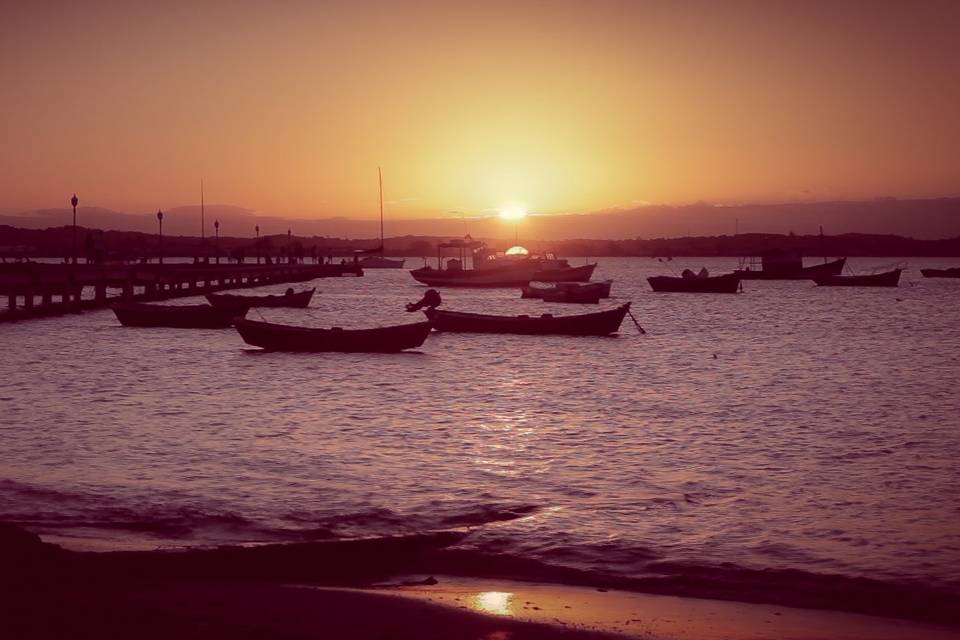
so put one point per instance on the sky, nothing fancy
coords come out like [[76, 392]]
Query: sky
[[288, 108]]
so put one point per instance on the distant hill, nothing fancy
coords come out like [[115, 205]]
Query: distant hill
[[925, 219]]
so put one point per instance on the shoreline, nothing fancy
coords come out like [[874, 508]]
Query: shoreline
[[274, 588]]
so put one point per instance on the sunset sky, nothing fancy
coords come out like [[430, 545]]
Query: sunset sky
[[289, 107]]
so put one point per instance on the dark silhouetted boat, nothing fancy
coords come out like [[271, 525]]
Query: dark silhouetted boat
[[582, 273], [298, 300], [727, 283], [511, 274], [280, 337], [952, 272], [591, 324], [786, 265], [380, 261], [600, 289], [194, 316], [885, 279]]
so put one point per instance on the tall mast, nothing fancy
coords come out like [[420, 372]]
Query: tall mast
[[380, 178], [202, 224]]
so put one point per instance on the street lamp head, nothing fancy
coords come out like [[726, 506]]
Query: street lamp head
[[216, 224], [74, 200], [159, 215], [257, 228]]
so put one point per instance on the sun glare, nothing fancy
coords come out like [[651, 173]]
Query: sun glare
[[513, 212]]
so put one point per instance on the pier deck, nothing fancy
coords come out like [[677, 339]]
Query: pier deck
[[36, 290]]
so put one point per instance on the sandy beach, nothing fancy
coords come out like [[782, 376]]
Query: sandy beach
[[353, 590]]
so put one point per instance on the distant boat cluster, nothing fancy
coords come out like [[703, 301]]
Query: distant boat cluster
[[516, 268]]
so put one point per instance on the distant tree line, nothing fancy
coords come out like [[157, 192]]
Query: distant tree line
[[128, 245]]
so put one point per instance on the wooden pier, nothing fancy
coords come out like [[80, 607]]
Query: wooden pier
[[35, 290]]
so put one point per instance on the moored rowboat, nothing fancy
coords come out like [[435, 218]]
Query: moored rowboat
[[280, 337], [591, 324], [728, 283], [885, 279], [951, 272], [194, 316], [601, 289], [297, 300]]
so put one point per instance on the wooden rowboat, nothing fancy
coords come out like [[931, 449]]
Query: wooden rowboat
[[582, 273], [952, 272], [194, 316], [591, 324], [728, 283], [885, 279], [601, 289], [299, 300], [280, 337]]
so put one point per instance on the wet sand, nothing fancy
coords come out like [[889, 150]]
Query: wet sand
[[640, 615]]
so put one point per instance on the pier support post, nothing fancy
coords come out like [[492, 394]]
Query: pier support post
[[12, 302], [100, 293]]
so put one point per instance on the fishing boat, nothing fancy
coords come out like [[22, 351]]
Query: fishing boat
[[280, 337], [727, 283], [380, 261], [885, 279], [583, 273], [298, 300], [786, 265], [454, 273], [952, 272], [591, 324], [548, 267], [601, 289], [575, 296], [194, 316]]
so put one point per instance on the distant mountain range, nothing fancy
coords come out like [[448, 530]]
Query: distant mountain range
[[924, 219]]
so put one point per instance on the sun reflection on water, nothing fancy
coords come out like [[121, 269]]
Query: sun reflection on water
[[495, 602]]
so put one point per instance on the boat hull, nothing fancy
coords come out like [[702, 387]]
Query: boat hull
[[885, 279], [592, 324], [489, 278], [728, 283], [587, 291], [299, 300], [952, 272], [833, 268], [278, 337], [377, 262], [582, 273], [200, 316]]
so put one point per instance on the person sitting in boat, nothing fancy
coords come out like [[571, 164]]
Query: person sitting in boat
[[686, 273], [288, 292], [703, 273]]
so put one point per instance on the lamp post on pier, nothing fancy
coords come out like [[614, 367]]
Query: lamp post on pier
[[216, 227], [257, 245], [74, 202], [289, 247], [160, 221]]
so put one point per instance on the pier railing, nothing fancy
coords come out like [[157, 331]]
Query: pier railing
[[37, 289]]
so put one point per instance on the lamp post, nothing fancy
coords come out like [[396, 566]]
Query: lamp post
[[74, 202], [257, 245], [216, 227], [289, 246], [160, 221]]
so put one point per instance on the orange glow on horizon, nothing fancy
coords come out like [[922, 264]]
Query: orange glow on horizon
[[577, 107]]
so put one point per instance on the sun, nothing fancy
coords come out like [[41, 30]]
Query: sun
[[513, 212]]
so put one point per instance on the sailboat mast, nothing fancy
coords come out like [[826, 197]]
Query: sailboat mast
[[380, 178]]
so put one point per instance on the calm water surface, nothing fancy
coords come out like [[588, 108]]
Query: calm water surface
[[790, 426]]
